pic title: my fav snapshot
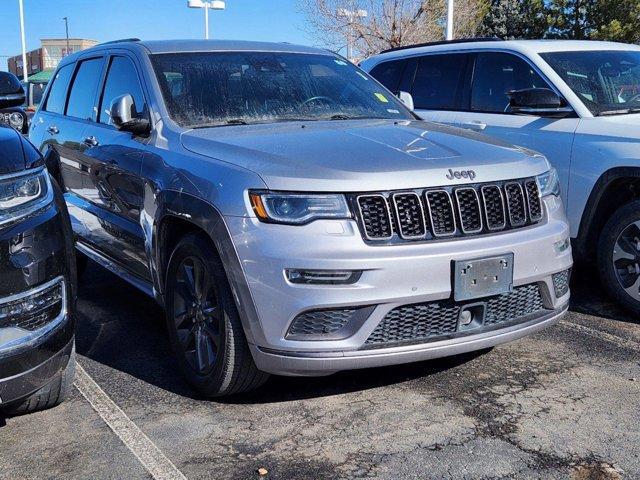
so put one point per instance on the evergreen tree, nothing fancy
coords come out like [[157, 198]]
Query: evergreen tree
[[513, 19]]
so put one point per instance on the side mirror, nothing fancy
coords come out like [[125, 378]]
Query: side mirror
[[9, 100], [125, 116], [538, 101], [407, 99]]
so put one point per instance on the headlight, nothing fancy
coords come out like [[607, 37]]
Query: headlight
[[297, 208], [23, 193], [16, 121], [549, 183]]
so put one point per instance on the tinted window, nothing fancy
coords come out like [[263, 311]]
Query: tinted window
[[389, 73], [230, 88], [121, 79], [607, 82], [83, 90], [495, 75], [437, 80], [58, 91], [9, 83]]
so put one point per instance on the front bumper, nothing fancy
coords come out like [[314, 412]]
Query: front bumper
[[393, 276], [36, 256]]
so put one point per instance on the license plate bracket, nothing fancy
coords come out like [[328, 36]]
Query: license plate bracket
[[482, 277]]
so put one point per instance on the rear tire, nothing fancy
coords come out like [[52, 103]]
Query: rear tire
[[619, 256], [204, 326], [51, 395]]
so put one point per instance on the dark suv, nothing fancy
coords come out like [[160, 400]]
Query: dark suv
[[292, 216], [12, 96], [37, 278]]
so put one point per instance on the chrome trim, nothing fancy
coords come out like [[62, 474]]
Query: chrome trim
[[504, 209], [460, 211], [31, 337], [103, 261], [373, 239], [453, 213], [524, 204], [395, 207], [537, 197]]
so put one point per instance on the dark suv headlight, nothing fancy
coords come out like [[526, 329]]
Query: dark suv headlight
[[23, 193], [298, 208]]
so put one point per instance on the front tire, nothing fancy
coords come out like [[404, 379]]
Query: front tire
[[619, 256], [204, 326], [50, 395]]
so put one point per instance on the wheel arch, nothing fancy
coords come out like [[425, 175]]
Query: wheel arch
[[181, 213], [614, 188]]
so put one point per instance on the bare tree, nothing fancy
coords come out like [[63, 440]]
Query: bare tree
[[389, 23]]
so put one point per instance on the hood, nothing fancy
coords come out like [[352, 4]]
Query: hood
[[362, 155], [12, 157]]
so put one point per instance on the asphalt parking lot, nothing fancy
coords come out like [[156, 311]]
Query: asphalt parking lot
[[564, 403]]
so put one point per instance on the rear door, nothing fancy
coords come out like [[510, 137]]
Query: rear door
[[113, 190], [487, 109]]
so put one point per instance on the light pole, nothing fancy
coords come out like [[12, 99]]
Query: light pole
[[24, 44], [351, 15], [66, 29], [213, 5], [449, 33]]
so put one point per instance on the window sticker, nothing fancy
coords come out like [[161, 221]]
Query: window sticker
[[381, 97], [391, 110]]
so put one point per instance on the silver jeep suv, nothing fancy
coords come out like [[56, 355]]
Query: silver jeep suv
[[292, 216]]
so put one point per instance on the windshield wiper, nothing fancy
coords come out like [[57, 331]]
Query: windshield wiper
[[622, 111]]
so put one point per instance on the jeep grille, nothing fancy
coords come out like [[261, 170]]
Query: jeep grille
[[427, 214]]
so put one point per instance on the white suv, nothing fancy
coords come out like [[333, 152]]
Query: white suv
[[576, 102]]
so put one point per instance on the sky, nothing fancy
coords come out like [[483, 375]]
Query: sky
[[103, 20]]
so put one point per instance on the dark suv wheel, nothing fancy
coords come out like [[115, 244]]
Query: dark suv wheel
[[203, 323], [619, 256]]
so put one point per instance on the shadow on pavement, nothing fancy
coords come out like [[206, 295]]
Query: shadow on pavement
[[122, 328], [588, 296]]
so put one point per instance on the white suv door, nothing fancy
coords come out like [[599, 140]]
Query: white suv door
[[495, 74], [437, 86]]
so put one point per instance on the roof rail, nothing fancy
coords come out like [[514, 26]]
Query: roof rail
[[444, 42], [122, 40]]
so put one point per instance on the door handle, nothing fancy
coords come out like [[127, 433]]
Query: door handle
[[475, 125], [91, 141], [53, 130]]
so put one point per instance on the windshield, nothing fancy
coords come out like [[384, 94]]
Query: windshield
[[9, 84], [608, 82], [228, 88]]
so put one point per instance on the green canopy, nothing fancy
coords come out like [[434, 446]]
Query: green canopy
[[41, 77]]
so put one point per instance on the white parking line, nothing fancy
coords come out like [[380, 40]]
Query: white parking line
[[156, 463]]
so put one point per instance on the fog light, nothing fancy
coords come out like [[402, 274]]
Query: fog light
[[323, 277]]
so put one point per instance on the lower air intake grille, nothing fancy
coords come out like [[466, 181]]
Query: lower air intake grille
[[561, 282], [328, 324], [428, 321]]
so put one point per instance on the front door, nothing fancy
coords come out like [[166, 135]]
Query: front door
[[113, 158], [497, 73]]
